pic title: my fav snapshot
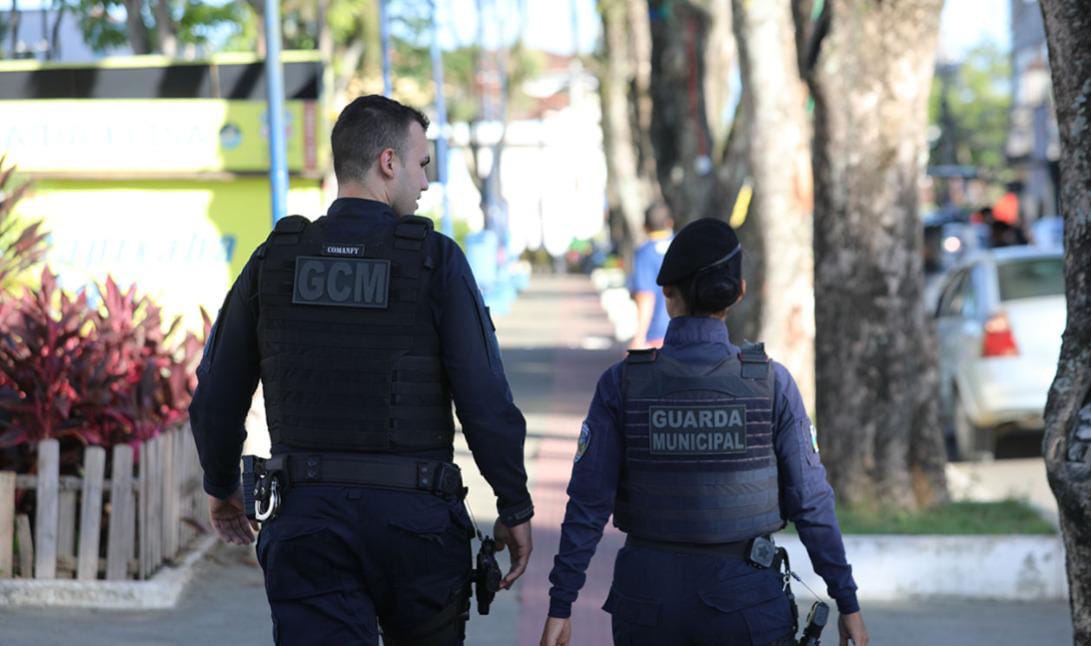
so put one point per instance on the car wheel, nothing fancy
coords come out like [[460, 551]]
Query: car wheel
[[971, 441]]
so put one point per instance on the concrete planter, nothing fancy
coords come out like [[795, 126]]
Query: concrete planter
[[892, 568]]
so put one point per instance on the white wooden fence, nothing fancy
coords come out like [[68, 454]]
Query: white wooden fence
[[149, 509]]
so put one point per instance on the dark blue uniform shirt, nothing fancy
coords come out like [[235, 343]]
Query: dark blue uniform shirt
[[495, 429], [806, 497]]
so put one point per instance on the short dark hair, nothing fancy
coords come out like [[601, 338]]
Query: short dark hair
[[658, 216], [366, 127]]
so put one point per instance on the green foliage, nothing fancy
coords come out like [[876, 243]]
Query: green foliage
[[102, 22], [101, 29], [1004, 517], [978, 99], [22, 244], [198, 20]]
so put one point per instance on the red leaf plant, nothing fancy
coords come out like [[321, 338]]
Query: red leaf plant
[[103, 376]]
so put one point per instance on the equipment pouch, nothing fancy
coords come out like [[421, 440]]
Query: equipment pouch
[[486, 575]]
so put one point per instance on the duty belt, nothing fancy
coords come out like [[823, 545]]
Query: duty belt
[[739, 550], [443, 479]]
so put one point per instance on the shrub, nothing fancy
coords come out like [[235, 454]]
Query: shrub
[[102, 376], [21, 246]]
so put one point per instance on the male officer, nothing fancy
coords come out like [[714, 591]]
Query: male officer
[[363, 326], [700, 451], [651, 307]]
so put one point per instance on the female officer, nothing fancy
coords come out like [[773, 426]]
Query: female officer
[[698, 449]]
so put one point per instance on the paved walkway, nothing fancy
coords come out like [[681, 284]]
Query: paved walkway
[[556, 343]]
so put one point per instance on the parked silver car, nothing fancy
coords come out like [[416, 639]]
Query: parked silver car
[[999, 322]]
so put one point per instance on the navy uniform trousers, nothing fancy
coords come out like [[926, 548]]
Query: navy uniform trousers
[[662, 598], [340, 560]]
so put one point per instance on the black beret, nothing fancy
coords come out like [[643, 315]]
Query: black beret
[[699, 244]]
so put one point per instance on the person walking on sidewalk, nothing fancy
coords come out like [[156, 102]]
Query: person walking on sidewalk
[[700, 451], [651, 306], [363, 326]]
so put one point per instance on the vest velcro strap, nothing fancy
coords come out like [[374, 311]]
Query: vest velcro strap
[[291, 224], [642, 356], [755, 363], [413, 227]]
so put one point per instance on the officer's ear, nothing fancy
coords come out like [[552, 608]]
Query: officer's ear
[[742, 291], [388, 158]]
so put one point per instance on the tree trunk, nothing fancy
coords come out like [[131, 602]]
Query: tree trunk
[[781, 175], [629, 190], [258, 7], [744, 323], [640, 91], [679, 129], [13, 25], [1067, 442], [165, 29], [720, 61], [876, 365], [55, 33], [138, 31]]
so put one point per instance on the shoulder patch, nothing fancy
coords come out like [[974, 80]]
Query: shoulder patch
[[581, 444]]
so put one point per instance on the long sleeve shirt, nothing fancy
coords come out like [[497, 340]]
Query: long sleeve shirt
[[806, 498], [494, 427]]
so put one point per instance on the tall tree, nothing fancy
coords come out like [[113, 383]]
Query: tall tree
[[631, 181], [869, 67], [780, 213], [1067, 442], [680, 132]]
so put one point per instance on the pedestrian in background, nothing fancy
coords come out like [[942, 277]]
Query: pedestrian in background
[[700, 451], [651, 306], [363, 326]]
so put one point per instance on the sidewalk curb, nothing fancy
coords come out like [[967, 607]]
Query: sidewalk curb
[[160, 592], [898, 567]]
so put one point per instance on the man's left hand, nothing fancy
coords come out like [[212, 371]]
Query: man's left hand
[[229, 519]]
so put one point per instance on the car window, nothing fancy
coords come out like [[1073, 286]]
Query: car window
[[951, 301], [1030, 278]]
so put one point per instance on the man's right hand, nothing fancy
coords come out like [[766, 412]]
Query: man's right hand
[[852, 629], [517, 539], [557, 632]]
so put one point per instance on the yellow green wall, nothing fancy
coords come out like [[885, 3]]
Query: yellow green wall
[[183, 241]]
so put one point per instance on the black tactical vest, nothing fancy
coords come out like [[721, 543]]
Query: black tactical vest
[[699, 461], [350, 355]]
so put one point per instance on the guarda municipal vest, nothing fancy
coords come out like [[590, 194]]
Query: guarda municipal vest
[[350, 356], [699, 461]]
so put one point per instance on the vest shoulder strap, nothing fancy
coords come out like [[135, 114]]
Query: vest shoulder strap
[[411, 231], [755, 363], [291, 224], [648, 355]]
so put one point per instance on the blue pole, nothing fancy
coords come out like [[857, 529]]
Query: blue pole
[[384, 38], [446, 225], [274, 83]]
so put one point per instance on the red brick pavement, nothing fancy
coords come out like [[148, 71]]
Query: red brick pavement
[[572, 378]]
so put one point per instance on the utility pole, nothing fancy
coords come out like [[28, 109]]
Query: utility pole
[[274, 83], [446, 225]]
